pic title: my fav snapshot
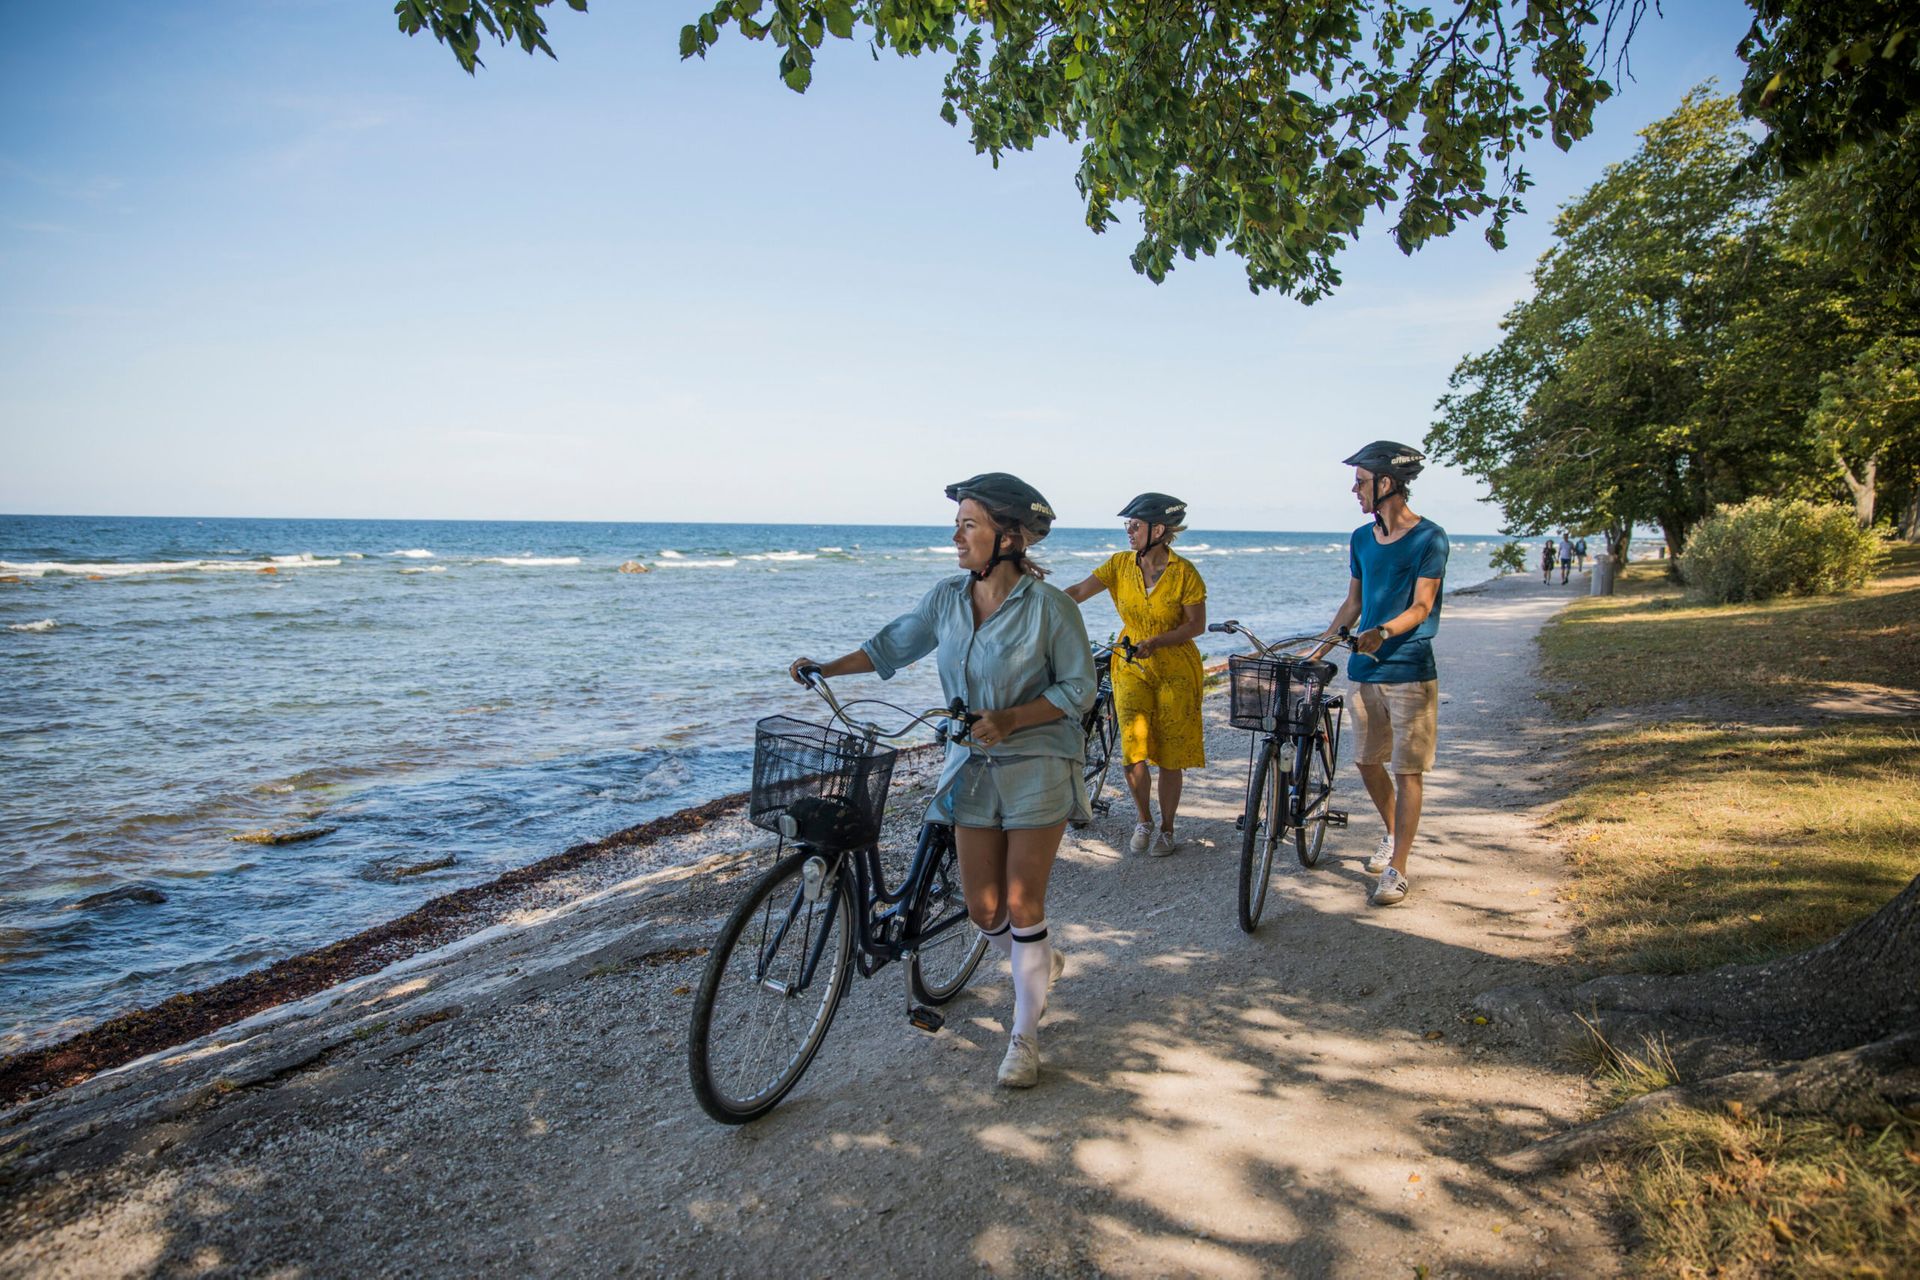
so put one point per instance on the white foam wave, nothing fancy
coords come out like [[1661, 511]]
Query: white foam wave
[[432, 568], [783, 556], [43, 568], [832, 551], [530, 562], [682, 563], [947, 550], [670, 554], [1091, 555], [45, 624], [418, 553]]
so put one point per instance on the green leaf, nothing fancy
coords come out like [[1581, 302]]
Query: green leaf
[[840, 20], [798, 78], [689, 41]]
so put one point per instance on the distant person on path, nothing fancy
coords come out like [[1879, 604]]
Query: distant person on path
[[1016, 650], [1580, 554], [1566, 558], [1398, 565], [1546, 561], [1162, 603]]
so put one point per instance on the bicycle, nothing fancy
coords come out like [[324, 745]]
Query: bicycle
[[1283, 699], [1102, 725], [781, 963]]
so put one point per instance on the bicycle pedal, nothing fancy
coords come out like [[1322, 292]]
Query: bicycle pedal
[[1336, 817], [1103, 806], [928, 1020], [1240, 823]]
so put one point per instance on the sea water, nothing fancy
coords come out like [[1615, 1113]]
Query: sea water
[[495, 691]]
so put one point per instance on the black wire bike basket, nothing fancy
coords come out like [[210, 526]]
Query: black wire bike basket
[[818, 785], [1278, 695]]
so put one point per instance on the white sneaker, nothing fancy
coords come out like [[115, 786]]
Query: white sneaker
[[1164, 844], [1142, 835], [1391, 890], [1382, 855], [1020, 1069]]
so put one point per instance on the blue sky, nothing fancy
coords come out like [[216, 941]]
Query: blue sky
[[276, 259]]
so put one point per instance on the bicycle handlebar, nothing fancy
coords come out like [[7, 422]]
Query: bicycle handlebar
[[954, 712], [1342, 639]]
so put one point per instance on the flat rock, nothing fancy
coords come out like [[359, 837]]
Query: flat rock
[[295, 836]]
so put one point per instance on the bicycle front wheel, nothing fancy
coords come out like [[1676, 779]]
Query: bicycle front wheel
[[773, 981], [1314, 773], [943, 964], [1261, 829]]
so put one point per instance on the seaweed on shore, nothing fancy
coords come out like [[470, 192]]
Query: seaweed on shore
[[192, 1014]]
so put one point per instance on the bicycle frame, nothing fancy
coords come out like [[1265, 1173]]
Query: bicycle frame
[[880, 937]]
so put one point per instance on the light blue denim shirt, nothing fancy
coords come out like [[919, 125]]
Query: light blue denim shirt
[[1034, 646]]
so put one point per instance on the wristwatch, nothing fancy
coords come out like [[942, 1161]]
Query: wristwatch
[[1385, 635]]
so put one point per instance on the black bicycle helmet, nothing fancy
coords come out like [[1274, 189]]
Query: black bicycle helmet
[[1156, 508], [1009, 499], [1400, 462]]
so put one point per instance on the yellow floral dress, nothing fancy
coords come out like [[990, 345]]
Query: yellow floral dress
[[1157, 700]]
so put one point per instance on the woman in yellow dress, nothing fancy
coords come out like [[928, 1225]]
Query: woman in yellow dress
[[1162, 603]]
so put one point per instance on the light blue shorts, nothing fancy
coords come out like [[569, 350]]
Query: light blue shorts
[[1016, 794]]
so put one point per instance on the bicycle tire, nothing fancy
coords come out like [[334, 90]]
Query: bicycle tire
[[1256, 844], [1316, 789], [720, 1032], [1100, 743], [940, 970]]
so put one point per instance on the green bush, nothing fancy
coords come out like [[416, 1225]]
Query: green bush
[[1511, 558], [1764, 548]]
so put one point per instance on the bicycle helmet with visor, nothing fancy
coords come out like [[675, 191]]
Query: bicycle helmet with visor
[[1009, 500], [1399, 462]]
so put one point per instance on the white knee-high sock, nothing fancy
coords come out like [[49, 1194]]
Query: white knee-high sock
[[1001, 938], [1032, 968]]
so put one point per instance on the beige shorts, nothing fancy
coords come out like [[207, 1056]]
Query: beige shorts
[[1395, 724]]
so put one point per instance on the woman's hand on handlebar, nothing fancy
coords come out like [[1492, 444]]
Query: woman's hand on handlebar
[[801, 668], [992, 728]]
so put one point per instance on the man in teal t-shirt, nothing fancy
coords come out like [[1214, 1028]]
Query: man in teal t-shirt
[[1398, 565]]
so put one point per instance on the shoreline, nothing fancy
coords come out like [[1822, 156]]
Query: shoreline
[[188, 1015]]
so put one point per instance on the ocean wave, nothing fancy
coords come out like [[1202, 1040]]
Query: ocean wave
[[45, 624], [679, 562], [530, 562], [832, 551], [432, 568], [671, 554], [418, 553], [782, 555], [120, 569]]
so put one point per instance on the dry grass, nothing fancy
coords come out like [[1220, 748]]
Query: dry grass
[[1725, 826], [1737, 1196], [1702, 844], [1648, 646]]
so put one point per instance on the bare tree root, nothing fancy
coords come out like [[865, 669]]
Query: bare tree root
[[1853, 1085]]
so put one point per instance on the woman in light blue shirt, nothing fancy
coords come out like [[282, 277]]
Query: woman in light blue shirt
[[1016, 651]]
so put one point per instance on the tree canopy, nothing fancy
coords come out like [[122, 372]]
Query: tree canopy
[[1261, 128]]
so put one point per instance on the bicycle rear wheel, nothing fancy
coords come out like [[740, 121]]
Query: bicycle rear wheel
[[774, 979], [1101, 737], [1261, 829], [941, 967], [1314, 772]]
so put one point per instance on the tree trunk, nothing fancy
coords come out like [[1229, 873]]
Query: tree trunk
[[1859, 987], [1861, 487], [1910, 517]]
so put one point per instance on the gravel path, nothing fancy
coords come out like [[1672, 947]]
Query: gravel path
[[1312, 1100]]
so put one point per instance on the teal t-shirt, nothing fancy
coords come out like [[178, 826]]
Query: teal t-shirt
[[1388, 573]]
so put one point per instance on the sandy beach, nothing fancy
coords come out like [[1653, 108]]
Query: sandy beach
[[1315, 1099]]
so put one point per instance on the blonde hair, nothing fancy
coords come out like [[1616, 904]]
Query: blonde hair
[[1019, 531]]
